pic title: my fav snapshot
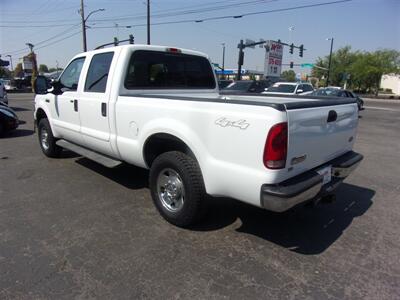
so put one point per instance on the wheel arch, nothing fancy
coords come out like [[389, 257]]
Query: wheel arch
[[159, 143], [40, 114]]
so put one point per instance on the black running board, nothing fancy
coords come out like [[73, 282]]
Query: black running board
[[95, 156]]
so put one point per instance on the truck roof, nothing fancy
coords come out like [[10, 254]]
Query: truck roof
[[146, 47]]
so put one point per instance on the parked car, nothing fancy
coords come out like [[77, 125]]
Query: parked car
[[8, 119], [160, 108], [223, 83], [246, 86], [338, 92], [9, 84], [290, 88], [3, 92]]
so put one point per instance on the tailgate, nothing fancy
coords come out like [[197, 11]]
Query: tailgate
[[319, 134]]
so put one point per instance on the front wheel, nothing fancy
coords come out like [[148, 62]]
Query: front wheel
[[177, 188], [47, 141]]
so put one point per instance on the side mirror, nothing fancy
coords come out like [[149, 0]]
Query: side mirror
[[299, 91], [41, 85], [57, 87]]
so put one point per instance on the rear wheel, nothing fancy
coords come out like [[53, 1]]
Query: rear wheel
[[177, 188], [2, 129], [47, 141]]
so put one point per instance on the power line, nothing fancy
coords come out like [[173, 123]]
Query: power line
[[36, 26], [231, 16], [60, 40], [184, 12], [22, 50], [158, 14]]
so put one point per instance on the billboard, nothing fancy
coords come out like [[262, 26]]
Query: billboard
[[273, 59], [27, 64]]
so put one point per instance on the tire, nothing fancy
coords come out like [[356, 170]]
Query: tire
[[2, 130], [177, 176], [47, 141]]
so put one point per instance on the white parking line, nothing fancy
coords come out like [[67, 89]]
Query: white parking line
[[381, 108]]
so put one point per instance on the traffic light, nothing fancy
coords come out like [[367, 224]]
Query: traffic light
[[4, 63], [291, 65], [291, 48], [301, 49], [131, 39]]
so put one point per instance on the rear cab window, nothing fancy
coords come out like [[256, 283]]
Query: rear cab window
[[165, 70]]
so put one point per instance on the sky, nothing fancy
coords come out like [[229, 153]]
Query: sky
[[53, 26]]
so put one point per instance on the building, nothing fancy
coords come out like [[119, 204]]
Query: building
[[391, 82]]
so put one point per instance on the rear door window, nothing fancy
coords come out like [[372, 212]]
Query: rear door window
[[164, 70], [96, 80], [307, 88]]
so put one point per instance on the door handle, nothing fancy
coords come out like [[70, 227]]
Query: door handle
[[104, 109], [75, 105], [332, 116]]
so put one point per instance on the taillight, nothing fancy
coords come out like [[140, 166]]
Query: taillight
[[173, 50], [275, 149]]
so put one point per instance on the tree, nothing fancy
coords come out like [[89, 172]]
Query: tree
[[43, 69], [342, 59], [51, 70], [361, 70], [18, 72], [289, 75], [4, 72]]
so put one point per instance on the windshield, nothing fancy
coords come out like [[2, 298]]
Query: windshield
[[239, 86], [282, 88]]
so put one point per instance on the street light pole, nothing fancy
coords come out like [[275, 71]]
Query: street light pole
[[82, 12], [330, 61], [223, 60], [148, 22]]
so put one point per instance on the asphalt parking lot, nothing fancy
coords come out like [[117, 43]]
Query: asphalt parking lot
[[70, 228]]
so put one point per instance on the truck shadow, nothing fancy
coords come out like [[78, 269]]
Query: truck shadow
[[302, 229], [129, 176], [18, 133]]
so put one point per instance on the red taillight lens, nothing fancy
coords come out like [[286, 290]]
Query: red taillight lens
[[174, 50], [276, 147]]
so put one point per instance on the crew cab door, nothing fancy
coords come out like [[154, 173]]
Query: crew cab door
[[65, 112], [94, 103]]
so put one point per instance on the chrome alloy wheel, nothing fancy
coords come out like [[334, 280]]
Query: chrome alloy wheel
[[170, 190], [44, 138]]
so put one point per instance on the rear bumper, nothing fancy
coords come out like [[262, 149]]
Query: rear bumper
[[307, 186]]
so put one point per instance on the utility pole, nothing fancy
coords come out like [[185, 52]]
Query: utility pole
[[223, 60], [83, 27], [148, 22], [240, 60], [82, 12], [11, 65], [34, 65], [330, 61]]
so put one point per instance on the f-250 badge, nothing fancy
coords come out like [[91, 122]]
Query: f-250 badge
[[224, 122]]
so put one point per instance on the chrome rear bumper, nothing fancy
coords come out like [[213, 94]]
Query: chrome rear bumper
[[307, 186]]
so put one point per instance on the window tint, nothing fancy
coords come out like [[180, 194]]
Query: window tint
[[70, 76], [96, 80], [282, 88], [307, 88], [163, 70]]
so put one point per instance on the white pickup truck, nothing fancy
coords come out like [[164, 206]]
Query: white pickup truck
[[159, 108]]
